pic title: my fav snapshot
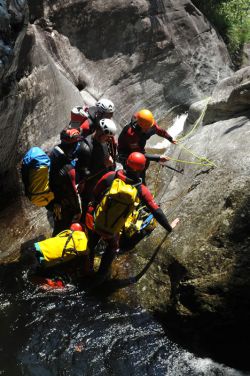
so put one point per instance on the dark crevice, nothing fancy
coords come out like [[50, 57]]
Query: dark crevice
[[81, 86]]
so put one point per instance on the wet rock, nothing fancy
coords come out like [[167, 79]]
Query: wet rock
[[12, 18], [230, 97], [206, 261], [147, 54], [246, 55]]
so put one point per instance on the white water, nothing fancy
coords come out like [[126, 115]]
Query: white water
[[174, 131]]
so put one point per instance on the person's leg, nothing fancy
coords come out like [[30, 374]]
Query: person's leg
[[62, 220], [108, 256], [93, 239]]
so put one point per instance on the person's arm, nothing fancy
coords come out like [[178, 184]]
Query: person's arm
[[123, 147], [156, 158], [163, 133], [148, 199], [162, 219], [75, 197]]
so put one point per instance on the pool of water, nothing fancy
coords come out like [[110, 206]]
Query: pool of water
[[45, 333]]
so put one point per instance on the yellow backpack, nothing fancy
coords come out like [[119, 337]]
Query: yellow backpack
[[39, 190], [115, 207], [63, 247], [35, 176]]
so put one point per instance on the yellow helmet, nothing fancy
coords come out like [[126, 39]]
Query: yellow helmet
[[145, 118]]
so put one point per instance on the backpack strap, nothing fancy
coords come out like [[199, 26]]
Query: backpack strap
[[72, 250], [112, 149]]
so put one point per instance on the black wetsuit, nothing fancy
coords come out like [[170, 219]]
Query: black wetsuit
[[63, 184]]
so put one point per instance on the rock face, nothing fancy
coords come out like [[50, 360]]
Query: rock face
[[200, 281], [139, 54], [246, 55], [230, 97], [12, 18]]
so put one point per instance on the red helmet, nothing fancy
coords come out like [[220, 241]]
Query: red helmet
[[76, 227], [136, 161], [69, 136]]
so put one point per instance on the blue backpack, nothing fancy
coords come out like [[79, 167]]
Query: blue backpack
[[35, 176]]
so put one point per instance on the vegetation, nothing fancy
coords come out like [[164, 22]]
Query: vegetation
[[232, 20]]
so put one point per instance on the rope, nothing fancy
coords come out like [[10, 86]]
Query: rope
[[201, 158], [190, 162], [115, 284], [200, 118]]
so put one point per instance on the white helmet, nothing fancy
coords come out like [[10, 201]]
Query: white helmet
[[105, 105], [107, 126]]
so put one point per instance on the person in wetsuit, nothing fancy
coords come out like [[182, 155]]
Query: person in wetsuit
[[95, 155], [86, 120], [134, 136], [135, 164], [67, 204]]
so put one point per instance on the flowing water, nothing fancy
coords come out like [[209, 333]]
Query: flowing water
[[174, 131], [45, 333]]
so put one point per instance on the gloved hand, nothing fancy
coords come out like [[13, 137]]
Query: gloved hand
[[164, 158]]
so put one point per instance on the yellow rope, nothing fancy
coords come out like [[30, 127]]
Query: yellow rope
[[201, 158], [196, 123], [189, 162]]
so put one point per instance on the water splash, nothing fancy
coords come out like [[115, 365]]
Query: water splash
[[174, 131]]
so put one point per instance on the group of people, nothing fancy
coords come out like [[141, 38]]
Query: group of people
[[88, 159]]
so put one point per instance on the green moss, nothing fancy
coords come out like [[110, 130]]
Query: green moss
[[232, 20]]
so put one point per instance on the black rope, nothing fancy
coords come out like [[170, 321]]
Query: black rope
[[174, 169], [120, 283]]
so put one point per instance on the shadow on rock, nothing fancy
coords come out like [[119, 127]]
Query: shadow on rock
[[210, 315]]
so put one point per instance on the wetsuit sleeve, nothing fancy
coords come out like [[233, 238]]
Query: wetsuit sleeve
[[148, 199], [73, 195], [153, 157], [162, 219], [162, 132], [72, 176], [123, 147]]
